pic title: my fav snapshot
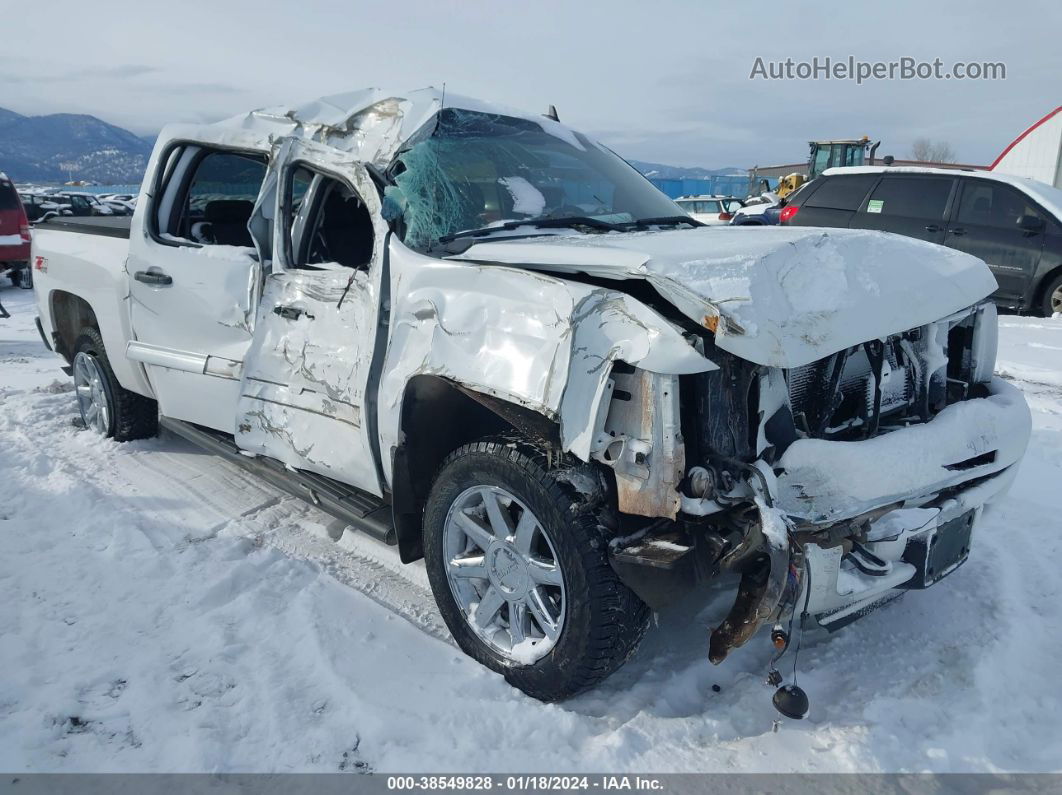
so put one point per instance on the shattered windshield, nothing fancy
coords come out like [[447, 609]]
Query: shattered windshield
[[475, 170]]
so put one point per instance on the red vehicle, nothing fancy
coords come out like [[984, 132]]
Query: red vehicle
[[14, 235]]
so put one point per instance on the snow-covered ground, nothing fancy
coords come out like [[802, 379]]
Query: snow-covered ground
[[161, 610]]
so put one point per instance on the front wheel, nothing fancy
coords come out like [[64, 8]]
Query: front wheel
[[517, 558]]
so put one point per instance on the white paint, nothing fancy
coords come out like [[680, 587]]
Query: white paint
[[790, 295]]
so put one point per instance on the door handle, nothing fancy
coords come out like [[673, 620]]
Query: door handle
[[157, 278], [932, 228], [291, 312], [958, 232]]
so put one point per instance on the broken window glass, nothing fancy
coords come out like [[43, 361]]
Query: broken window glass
[[476, 170]]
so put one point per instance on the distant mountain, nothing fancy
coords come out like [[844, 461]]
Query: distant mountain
[[661, 171], [59, 146]]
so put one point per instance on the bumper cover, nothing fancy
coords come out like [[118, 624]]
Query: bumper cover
[[823, 482], [938, 475]]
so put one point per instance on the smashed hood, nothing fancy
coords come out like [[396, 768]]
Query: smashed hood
[[782, 297]]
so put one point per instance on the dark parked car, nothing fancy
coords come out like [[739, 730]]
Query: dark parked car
[[1013, 224], [759, 212]]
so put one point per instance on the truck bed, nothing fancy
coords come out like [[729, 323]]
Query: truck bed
[[104, 225]]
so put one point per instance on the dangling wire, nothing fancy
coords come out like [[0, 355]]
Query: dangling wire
[[803, 617]]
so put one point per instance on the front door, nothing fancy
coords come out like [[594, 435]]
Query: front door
[[986, 225], [194, 278], [303, 396]]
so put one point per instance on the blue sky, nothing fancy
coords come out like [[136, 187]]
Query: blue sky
[[662, 81]]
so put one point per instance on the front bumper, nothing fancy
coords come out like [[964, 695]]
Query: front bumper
[[936, 476], [823, 482], [885, 500], [890, 496]]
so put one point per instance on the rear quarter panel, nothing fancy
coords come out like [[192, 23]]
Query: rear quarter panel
[[91, 267]]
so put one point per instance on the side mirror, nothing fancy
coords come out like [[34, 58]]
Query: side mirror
[[1030, 223]]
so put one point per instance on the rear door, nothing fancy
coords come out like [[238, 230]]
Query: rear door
[[194, 281], [914, 205], [833, 201], [305, 396], [986, 224]]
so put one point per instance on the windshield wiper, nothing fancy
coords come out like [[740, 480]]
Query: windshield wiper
[[545, 222], [663, 220]]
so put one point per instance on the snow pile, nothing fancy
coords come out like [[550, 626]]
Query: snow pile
[[162, 611], [527, 199]]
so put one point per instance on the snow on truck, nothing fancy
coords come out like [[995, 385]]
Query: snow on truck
[[482, 337]]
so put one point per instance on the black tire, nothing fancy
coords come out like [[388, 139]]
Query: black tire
[[133, 416], [15, 275], [1047, 303], [25, 277], [604, 620]]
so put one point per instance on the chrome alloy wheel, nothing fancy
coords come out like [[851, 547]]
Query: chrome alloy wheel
[[504, 573], [91, 393], [1056, 300]]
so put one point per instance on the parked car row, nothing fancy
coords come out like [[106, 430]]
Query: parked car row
[[22, 208]]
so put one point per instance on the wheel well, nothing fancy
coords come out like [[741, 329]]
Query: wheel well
[[70, 314], [1041, 288], [438, 416]]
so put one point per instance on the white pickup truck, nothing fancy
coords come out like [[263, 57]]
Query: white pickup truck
[[482, 337]]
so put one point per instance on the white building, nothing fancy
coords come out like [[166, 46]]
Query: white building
[[1036, 153]]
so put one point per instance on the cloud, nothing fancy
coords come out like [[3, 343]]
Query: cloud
[[199, 88], [120, 72]]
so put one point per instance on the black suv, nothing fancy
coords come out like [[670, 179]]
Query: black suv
[[1013, 224]]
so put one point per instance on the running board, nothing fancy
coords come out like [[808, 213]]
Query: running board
[[363, 511]]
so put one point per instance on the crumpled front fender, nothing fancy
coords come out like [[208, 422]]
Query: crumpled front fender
[[538, 341], [608, 326]]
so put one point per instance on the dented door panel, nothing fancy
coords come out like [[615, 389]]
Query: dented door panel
[[303, 393]]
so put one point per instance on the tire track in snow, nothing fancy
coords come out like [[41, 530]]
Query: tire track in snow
[[233, 502], [200, 497]]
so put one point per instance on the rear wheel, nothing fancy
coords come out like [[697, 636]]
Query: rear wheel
[[105, 406], [1052, 301], [517, 559]]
